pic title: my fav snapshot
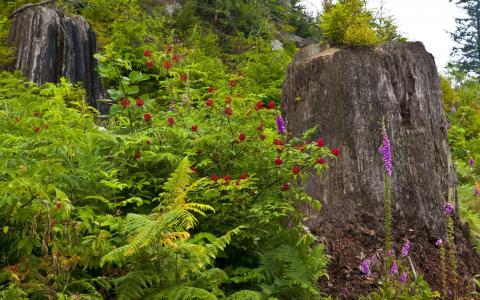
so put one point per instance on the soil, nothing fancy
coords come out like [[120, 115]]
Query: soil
[[349, 244]]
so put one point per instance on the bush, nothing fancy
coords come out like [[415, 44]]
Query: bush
[[348, 23]]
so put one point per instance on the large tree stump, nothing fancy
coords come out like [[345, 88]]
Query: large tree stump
[[50, 45], [346, 93]]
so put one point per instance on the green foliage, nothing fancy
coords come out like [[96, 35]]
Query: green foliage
[[348, 23], [126, 208], [387, 29], [461, 95], [417, 290], [250, 18], [466, 36]]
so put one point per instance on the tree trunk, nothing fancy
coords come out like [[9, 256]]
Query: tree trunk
[[347, 93], [50, 45]]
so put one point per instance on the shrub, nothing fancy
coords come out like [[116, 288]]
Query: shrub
[[348, 23]]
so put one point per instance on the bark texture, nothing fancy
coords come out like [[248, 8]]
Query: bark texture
[[50, 45], [346, 93]]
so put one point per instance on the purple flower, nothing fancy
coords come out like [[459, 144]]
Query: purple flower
[[403, 277], [365, 267], [390, 253], [448, 208], [172, 106], [471, 162], [476, 192], [280, 124], [394, 268], [406, 248], [439, 243], [384, 150], [453, 109]]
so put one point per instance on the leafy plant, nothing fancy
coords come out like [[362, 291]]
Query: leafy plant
[[348, 23]]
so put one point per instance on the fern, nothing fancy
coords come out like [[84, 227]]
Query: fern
[[288, 268], [135, 284], [182, 292], [246, 295]]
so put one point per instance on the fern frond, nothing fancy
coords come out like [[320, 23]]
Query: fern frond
[[182, 292], [177, 183], [135, 284], [246, 295]]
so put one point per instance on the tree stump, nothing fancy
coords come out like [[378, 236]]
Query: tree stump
[[347, 93], [50, 45]]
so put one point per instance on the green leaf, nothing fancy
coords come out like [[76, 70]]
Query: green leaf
[[115, 94], [136, 77]]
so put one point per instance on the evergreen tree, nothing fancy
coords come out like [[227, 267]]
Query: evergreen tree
[[467, 37]]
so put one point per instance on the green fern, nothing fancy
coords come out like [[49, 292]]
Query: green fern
[[182, 292], [136, 284], [246, 295]]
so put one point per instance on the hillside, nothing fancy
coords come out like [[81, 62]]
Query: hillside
[[167, 149]]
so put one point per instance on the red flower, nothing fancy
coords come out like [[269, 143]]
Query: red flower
[[227, 179], [36, 114], [176, 58], [137, 155], [271, 105], [167, 65], [168, 48], [285, 186], [242, 137], [260, 127], [149, 64], [125, 103], [278, 161], [139, 102], [228, 100], [259, 105], [211, 89], [336, 152], [148, 142], [277, 142], [209, 102], [194, 169], [320, 160], [244, 176], [320, 142], [262, 137], [228, 111], [170, 121], [183, 77], [147, 53], [147, 117], [58, 205], [194, 128], [36, 129], [232, 83], [296, 170], [214, 177]]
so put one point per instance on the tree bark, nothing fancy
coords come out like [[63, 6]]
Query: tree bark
[[50, 45]]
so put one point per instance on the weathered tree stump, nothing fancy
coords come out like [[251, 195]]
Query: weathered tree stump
[[346, 93], [50, 45]]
